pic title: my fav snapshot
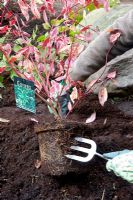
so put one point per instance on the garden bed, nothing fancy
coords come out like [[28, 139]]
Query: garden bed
[[19, 149]]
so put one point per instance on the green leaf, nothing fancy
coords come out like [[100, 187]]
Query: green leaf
[[43, 75], [79, 17], [62, 55], [41, 38], [72, 15], [56, 22], [16, 48], [91, 7], [2, 39], [18, 41], [34, 33], [63, 28], [2, 63], [1, 82], [1, 55], [73, 33], [113, 3], [12, 74], [46, 26], [8, 69], [1, 85], [63, 82], [1, 79], [4, 59]]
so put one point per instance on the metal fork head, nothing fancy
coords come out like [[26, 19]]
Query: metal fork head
[[89, 151]]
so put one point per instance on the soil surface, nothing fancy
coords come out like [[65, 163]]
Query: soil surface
[[19, 151]]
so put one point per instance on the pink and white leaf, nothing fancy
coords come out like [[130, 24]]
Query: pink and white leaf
[[45, 16], [23, 23], [88, 37], [91, 118], [5, 2], [24, 8], [91, 84], [77, 49], [114, 36], [29, 76], [41, 67], [21, 52], [105, 4], [49, 4], [102, 95], [54, 33], [111, 75], [28, 65], [74, 94], [55, 89], [60, 66], [69, 106], [7, 48], [34, 9], [4, 120], [38, 85], [52, 68], [56, 85], [65, 48], [37, 54], [38, 164], [105, 121], [34, 120], [60, 78]]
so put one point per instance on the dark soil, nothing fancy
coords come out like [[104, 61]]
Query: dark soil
[[19, 150]]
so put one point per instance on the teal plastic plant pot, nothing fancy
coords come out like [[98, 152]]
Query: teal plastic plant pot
[[55, 140]]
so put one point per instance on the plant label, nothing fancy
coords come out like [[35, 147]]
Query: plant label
[[24, 94]]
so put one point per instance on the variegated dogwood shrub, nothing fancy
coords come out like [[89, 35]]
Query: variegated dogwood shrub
[[45, 57]]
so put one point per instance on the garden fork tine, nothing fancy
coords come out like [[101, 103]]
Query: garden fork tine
[[90, 151]]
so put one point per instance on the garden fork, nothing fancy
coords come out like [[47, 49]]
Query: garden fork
[[89, 151]]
